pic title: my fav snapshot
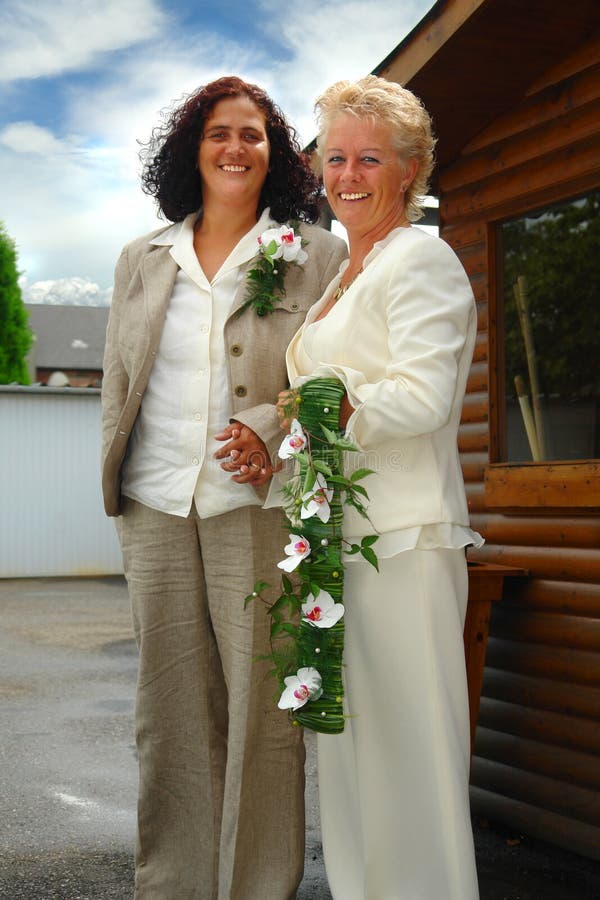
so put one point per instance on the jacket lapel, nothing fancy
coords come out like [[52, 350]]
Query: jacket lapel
[[240, 294], [159, 271]]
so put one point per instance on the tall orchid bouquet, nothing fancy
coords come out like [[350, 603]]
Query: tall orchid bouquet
[[277, 247], [308, 655]]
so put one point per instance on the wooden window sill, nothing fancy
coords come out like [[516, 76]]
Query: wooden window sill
[[548, 486]]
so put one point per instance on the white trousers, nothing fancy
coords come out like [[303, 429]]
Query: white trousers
[[394, 786]]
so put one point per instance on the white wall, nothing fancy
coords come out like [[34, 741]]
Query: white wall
[[52, 520]]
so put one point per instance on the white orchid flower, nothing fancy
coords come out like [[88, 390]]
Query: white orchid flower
[[297, 550], [323, 611], [316, 502], [282, 242], [300, 688], [293, 442]]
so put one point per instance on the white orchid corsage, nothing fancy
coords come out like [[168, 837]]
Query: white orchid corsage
[[307, 620], [277, 248]]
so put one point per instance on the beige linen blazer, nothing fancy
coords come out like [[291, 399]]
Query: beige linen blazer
[[401, 339], [254, 345]]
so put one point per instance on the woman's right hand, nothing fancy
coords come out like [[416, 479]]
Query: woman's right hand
[[287, 407]]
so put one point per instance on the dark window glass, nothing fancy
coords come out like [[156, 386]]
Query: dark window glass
[[551, 284]]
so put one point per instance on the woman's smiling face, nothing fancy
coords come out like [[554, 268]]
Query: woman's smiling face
[[364, 177], [234, 151]]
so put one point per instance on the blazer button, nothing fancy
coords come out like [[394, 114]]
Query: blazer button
[[293, 306], [235, 350], [240, 391]]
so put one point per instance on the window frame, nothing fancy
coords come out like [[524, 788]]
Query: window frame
[[555, 485]]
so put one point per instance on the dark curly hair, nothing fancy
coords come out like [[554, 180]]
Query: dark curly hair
[[169, 158]]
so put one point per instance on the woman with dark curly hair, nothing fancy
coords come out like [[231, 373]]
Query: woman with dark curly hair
[[190, 372]]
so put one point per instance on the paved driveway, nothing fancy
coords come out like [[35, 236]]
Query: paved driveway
[[68, 770]]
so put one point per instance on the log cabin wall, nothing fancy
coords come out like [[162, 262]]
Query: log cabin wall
[[536, 761]]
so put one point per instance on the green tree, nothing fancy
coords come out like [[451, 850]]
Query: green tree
[[15, 336]]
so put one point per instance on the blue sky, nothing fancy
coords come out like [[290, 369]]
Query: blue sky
[[82, 82]]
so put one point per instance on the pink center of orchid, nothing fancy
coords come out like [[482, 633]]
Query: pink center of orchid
[[287, 238], [302, 692], [315, 614], [300, 547], [296, 441], [319, 497]]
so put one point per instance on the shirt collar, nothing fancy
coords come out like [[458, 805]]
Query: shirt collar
[[180, 237], [377, 247]]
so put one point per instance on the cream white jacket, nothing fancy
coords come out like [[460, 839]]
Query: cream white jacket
[[401, 340]]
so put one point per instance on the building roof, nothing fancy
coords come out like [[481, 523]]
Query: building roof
[[68, 337], [471, 61]]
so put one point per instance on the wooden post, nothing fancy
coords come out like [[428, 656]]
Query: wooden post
[[486, 582], [522, 302]]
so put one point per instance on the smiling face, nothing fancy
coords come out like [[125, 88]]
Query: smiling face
[[364, 177], [233, 154]]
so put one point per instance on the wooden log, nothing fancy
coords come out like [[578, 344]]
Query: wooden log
[[460, 235], [574, 67], [480, 351], [578, 632], [480, 292], [474, 259], [579, 837], [566, 799], [475, 408], [475, 497], [557, 663], [473, 465], [572, 598], [539, 178], [538, 109], [477, 380], [557, 763], [555, 563], [473, 437], [523, 148], [534, 530], [542, 693], [541, 725]]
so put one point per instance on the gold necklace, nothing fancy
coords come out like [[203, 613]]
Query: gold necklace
[[340, 291]]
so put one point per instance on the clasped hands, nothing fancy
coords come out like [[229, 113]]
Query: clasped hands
[[245, 454]]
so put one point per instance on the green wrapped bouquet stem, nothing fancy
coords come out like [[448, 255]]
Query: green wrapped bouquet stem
[[308, 654]]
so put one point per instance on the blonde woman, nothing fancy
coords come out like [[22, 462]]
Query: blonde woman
[[397, 326]]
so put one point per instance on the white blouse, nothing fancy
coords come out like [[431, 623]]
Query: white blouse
[[170, 461]]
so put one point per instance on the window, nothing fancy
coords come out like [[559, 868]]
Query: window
[[550, 277]]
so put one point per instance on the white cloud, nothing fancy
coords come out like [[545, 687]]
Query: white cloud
[[126, 105], [42, 37], [67, 292], [330, 40], [29, 138], [71, 198]]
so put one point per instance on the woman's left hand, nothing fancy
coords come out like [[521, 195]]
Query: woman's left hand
[[245, 454], [287, 407]]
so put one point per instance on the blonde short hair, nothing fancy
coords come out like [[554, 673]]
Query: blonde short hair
[[398, 108]]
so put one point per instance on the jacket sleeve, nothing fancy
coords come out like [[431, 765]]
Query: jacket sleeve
[[115, 381], [429, 312]]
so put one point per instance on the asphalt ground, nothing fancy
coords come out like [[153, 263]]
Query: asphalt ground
[[68, 770]]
